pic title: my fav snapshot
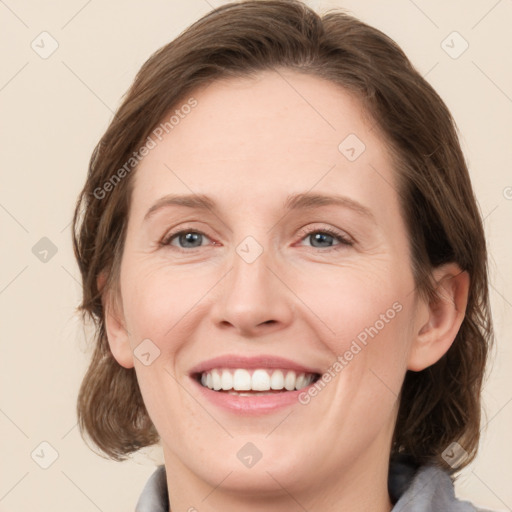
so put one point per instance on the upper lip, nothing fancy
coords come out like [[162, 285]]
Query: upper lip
[[254, 362]]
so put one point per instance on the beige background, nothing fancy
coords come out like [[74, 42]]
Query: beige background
[[53, 112]]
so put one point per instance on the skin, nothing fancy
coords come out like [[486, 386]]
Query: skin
[[248, 144]]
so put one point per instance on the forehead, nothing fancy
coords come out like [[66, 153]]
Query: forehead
[[278, 131]]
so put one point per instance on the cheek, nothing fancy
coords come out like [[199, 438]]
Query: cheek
[[161, 301], [366, 317], [356, 303]]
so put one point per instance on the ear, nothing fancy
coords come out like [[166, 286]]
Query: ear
[[117, 333], [444, 317]]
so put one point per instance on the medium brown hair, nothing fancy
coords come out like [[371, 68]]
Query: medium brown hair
[[438, 405]]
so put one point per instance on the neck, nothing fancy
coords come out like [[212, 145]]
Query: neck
[[358, 488]]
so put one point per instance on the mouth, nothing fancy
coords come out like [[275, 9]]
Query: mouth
[[252, 385], [251, 382]]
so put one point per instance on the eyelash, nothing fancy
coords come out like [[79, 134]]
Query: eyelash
[[343, 240]]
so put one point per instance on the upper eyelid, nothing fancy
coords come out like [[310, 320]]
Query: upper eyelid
[[306, 231]]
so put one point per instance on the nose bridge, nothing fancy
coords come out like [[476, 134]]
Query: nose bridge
[[251, 294], [250, 272], [250, 289]]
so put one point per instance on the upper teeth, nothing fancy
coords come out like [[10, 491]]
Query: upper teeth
[[241, 379]]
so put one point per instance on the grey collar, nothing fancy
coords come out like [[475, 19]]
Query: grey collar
[[423, 489]]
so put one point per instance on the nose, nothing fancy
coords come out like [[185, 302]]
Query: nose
[[253, 299]]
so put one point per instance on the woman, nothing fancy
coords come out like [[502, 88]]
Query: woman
[[280, 245]]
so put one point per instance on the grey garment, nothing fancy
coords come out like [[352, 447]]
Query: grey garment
[[427, 489], [154, 496], [431, 490]]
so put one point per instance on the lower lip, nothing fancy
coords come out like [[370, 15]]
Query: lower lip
[[245, 405]]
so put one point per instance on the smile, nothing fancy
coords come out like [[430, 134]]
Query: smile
[[234, 380]]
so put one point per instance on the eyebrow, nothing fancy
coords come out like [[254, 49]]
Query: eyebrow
[[304, 201]]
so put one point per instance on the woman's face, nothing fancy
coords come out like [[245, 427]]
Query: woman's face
[[299, 262]]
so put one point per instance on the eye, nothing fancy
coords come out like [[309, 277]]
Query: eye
[[320, 239], [324, 237], [186, 238]]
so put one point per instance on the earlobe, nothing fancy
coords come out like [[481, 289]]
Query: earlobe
[[445, 316], [116, 331]]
